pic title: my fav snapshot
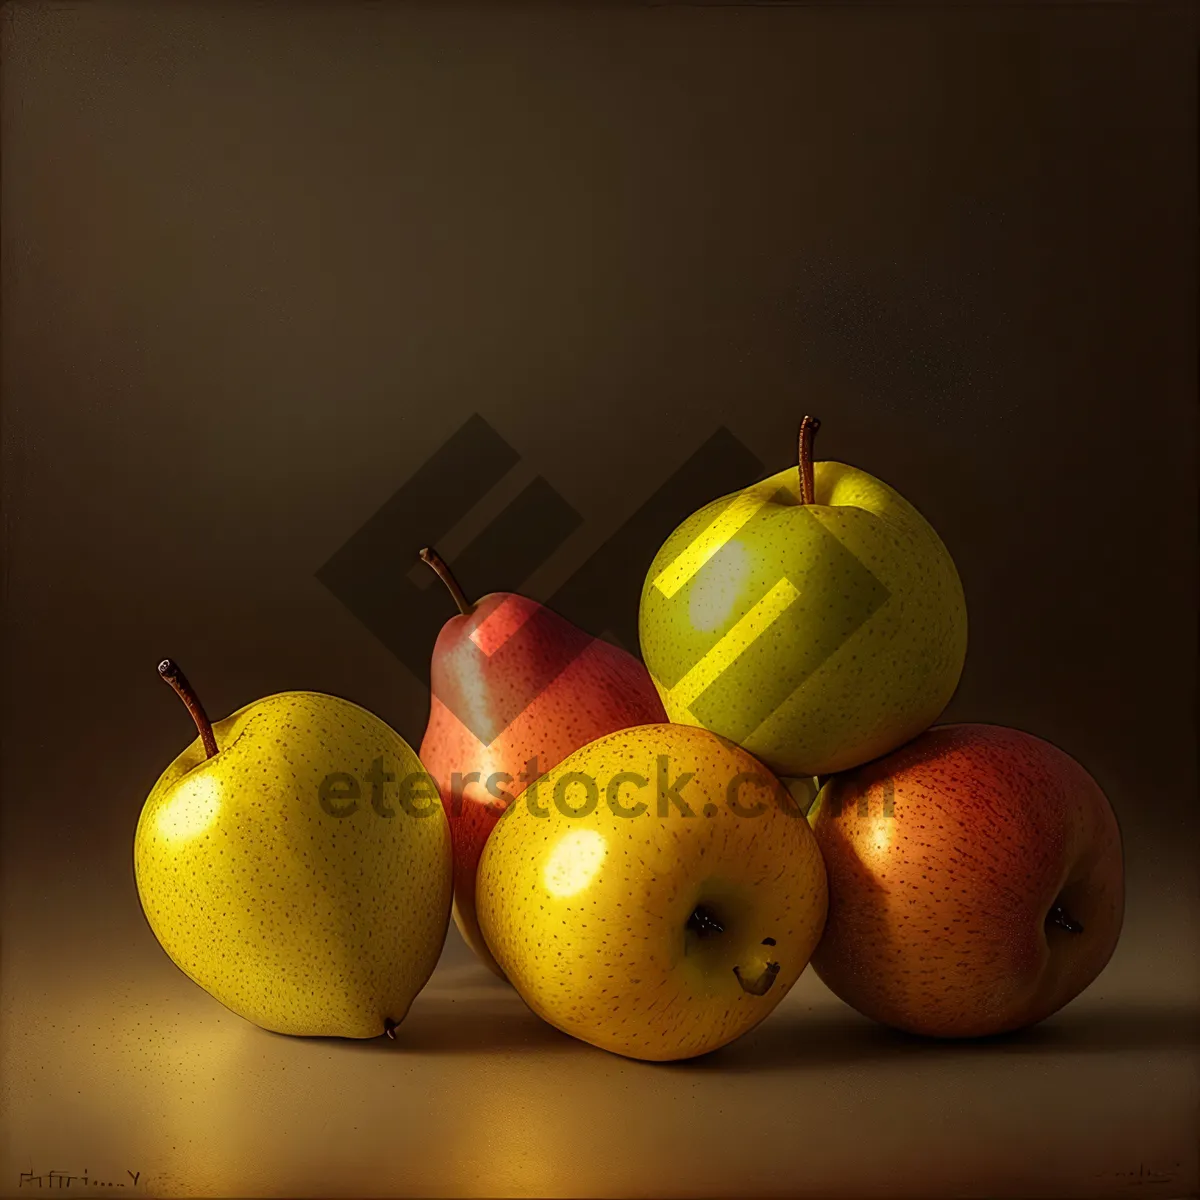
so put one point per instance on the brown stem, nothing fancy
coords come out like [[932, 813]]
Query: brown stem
[[808, 430], [434, 559], [178, 680]]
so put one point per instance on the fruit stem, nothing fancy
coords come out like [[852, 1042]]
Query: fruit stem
[[434, 559], [170, 671], [808, 431]]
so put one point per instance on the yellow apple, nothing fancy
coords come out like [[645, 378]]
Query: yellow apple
[[656, 894]]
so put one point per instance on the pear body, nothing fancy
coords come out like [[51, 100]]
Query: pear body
[[656, 894], [302, 875], [817, 636], [514, 689]]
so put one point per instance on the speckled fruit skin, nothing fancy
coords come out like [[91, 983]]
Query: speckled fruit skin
[[300, 921], [588, 915], [876, 639], [938, 915], [602, 690]]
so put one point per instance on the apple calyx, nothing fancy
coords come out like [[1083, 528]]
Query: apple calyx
[[808, 431], [170, 671], [703, 922], [1058, 916], [431, 557]]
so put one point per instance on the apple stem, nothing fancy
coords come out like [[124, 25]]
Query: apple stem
[[170, 671], [1058, 916], [808, 431], [434, 559], [389, 1027]]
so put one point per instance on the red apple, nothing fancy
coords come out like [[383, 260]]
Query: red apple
[[515, 688], [976, 882]]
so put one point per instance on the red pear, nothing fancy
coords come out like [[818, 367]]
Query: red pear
[[514, 689], [976, 882]]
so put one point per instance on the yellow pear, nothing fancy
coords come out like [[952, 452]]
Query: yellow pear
[[656, 894], [295, 862]]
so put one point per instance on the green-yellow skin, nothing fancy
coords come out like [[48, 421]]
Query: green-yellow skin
[[589, 915], [868, 656], [298, 920], [803, 790]]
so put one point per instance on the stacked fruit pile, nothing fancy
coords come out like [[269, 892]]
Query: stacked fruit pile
[[651, 854]]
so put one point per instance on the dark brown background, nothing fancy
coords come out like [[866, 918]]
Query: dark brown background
[[259, 264]]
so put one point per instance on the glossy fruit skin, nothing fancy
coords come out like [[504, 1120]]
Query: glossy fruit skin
[[302, 921], [938, 913], [816, 636], [589, 915], [602, 688]]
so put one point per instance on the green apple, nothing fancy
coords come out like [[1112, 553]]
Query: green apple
[[655, 894], [815, 618], [295, 862]]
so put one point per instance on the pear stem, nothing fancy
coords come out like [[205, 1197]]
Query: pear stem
[[808, 431], [434, 559], [170, 671]]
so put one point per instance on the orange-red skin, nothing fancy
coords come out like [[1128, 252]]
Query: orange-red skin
[[937, 916]]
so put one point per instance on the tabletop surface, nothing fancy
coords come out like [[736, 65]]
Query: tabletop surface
[[116, 1065]]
